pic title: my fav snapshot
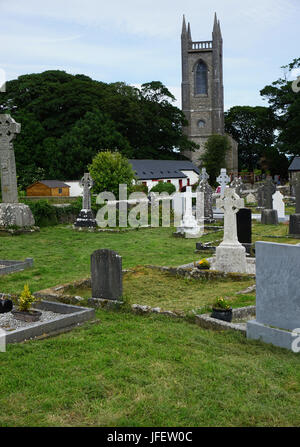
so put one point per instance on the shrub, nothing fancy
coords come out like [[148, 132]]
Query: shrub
[[43, 213], [26, 299], [140, 188], [164, 187], [221, 303]]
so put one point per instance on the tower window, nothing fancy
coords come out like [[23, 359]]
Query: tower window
[[201, 79], [201, 124]]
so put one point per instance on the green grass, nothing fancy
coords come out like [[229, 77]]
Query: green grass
[[148, 371], [131, 370], [159, 289]]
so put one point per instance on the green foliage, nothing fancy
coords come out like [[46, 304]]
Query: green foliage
[[164, 187], [26, 299], [140, 188], [46, 214], [109, 170], [254, 130], [285, 103], [221, 303], [66, 120], [214, 157], [203, 264]]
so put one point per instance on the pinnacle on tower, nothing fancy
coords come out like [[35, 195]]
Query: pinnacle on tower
[[189, 32], [183, 26]]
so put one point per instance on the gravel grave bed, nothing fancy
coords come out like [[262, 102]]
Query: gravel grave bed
[[9, 323]]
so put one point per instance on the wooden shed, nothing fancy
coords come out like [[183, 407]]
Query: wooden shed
[[55, 188]]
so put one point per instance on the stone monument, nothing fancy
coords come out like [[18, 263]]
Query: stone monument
[[223, 180], [238, 185], [230, 254], [189, 226], [86, 218], [278, 205], [106, 275], [294, 225], [205, 188], [269, 216], [11, 212], [277, 295]]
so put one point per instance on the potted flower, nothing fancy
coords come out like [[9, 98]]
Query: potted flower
[[222, 310], [203, 264], [24, 312]]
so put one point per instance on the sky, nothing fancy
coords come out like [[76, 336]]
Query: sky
[[138, 41]]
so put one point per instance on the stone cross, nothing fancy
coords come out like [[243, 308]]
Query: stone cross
[[230, 203], [8, 130], [204, 176], [238, 185], [207, 190], [223, 180], [87, 183], [188, 199]]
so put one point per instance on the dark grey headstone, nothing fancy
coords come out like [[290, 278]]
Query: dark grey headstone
[[269, 190], [269, 217], [294, 225], [106, 274], [244, 226]]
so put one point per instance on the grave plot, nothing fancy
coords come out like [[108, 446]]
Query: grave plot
[[56, 318]]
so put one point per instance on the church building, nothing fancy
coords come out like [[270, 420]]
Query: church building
[[203, 93]]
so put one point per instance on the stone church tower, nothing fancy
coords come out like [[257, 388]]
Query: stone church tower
[[203, 93]]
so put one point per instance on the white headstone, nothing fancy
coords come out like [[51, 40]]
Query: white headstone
[[250, 198], [278, 204], [189, 225]]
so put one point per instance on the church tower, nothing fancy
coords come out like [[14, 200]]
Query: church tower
[[202, 91]]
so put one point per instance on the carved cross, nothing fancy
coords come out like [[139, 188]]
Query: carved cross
[[8, 130], [230, 203], [204, 176], [223, 180], [87, 183]]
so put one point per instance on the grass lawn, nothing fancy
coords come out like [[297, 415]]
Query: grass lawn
[[148, 371], [131, 370]]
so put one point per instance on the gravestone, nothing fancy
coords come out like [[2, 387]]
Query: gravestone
[[230, 254], [238, 185], [250, 198], [12, 213], [86, 218], [269, 216], [260, 197], [205, 188], [244, 228], [278, 204], [294, 225], [223, 180], [189, 227], [277, 294], [106, 274]]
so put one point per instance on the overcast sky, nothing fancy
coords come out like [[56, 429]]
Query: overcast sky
[[138, 41]]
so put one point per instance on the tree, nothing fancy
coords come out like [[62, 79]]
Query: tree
[[59, 137], [254, 130], [285, 103], [214, 157], [109, 170]]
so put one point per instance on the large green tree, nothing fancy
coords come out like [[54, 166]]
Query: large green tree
[[285, 103], [214, 156], [254, 130], [67, 119]]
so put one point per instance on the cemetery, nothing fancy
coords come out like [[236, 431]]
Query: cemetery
[[150, 255]]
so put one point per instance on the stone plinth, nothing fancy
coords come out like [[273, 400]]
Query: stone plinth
[[230, 258], [15, 214], [269, 217], [85, 219], [277, 294], [294, 226]]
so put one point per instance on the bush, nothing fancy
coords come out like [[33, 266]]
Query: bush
[[26, 299], [44, 214], [164, 187], [140, 188]]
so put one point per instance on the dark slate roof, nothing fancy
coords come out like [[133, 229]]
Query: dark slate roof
[[54, 183], [295, 165], [155, 169]]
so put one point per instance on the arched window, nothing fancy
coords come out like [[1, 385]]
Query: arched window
[[201, 124], [201, 79]]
